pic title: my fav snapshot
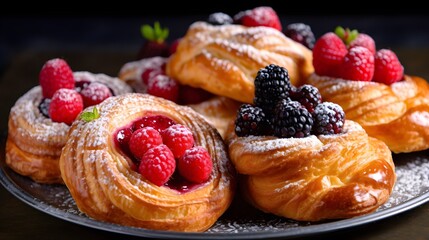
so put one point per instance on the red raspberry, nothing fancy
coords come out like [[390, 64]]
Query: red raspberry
[[157, 165], [191, 95], [328, 53], [142, 140], [95, 93], [55, 74], [123, 138], [364, 40], [150, 73], [195, 165], [358, 65], [163, 86], [178, 138], [388, 68], [158, 122], [66, 104], [259, 16]]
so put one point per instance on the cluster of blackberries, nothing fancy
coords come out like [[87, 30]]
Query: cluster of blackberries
[[282, 110]]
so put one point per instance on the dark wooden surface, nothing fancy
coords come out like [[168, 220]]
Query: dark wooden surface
[[20, 221]]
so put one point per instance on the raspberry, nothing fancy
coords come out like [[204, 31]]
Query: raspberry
[[66, 104], [55, 74], [163, 86], [308, 95], [155, 44], [44, 107], [358, 64], [301, 33], [328, 54], [157, 165], [251, 121], [259, 16], [328, 118], [191, 95], [178, 138], [123, 138], [272, 84], [365, 41], [142, 140], [291, 119], [195, 165], [219, 18], [150, 73], [158, 122], [95, 93], [388, 68]]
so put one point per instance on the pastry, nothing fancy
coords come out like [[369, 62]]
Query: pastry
[[388, 104], [34, 141], [109, 183], [302, 160], [224, 59]]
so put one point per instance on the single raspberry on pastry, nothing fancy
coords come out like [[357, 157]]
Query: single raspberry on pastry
[[219, 18], [308, 95], [328, 54], [291, 119], [178, 138], [158, 122], [94, 93], [259, 16], [157, 164], [358, 64], [150, 73], [388, 68], [142, 140], [163, 86], [55, 74], [251, 120], [195, 165], [65, 106], [364, 40], [301, 33], [329, 118]]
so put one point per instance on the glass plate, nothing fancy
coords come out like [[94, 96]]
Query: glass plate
[[241, 221]]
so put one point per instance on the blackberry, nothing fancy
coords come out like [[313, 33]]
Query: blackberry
[[251, 120], [308, 95], [44, 107], [272, 84], [301, 33], [219, 18], [328, 118], [291, 119]]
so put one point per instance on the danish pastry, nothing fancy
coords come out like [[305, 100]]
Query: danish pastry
[[103, 180], [225, 59], [34, 141]]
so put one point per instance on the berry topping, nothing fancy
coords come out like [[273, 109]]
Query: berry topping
[[388, 69], [301, 33], [219, 18], [358, 64], [195, 165], [308, 95], [44, 107], [251, 121], [365, 41], [155, 44], [144, 139], [272, 84], [328, 54], [150, 73], [123, 138], [291, 119], [178, 138], [157, 165], [163, 86], [55, 74], [191, 95], [259, 16], [328, 118], [66, 104], [158, 122], [95, 93]]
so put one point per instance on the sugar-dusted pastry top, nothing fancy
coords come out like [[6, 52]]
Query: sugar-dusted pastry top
[[224, 59]]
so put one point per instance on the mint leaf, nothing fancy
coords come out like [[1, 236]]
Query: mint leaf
[[89, 116], [148, 32]]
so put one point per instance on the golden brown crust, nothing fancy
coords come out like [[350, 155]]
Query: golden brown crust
[[224, 59], [315, 178], [397, 114], [104, 185], [34, 142]]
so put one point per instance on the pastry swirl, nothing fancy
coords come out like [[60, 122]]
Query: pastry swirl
[[316, 177], [105, 185], [34, 142]]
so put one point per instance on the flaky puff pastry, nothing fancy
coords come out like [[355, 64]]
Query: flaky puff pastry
[[397, 114], [316, 177], [224, 60], [34, 142], [106, 186]]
